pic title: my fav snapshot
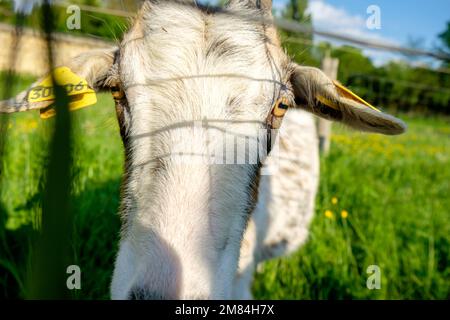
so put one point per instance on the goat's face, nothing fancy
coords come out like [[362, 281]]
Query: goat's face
[[194, 91], [196, 86]]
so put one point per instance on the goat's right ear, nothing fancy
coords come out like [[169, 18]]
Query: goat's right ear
[[91, 68], [318, 94]]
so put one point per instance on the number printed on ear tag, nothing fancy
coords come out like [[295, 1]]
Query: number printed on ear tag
[[76, 102], [77, 88]]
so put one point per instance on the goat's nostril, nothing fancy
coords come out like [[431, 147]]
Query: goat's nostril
[[143, 294]]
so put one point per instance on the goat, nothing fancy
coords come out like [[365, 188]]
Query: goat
[[182, 78]]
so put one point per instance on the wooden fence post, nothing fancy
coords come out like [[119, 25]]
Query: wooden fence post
[[330, 68]]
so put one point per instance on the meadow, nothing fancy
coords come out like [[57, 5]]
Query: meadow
[[382, 201]]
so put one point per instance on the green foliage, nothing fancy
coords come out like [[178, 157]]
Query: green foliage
[[397, 86], [295, 10], [351, 61], [445, 37], [93, 24], [301, 51]]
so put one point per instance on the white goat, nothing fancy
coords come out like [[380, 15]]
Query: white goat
[[184, 216]]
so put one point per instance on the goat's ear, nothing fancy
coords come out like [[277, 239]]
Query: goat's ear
[[89, 70], [318, 94]]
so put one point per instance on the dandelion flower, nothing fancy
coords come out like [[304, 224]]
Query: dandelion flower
[[28, 126], [329, 214], [32, 125], [334, 200], [344, 214]]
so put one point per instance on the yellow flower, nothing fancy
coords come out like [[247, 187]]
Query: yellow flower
[[334, 200], [329, 214], [28, 126], [33, 124], [344, 214]]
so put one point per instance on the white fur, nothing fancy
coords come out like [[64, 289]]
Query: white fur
[[188, 217]]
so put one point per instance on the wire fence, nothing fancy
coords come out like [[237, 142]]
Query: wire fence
[[312, 43], [51, 248], [292, 26]]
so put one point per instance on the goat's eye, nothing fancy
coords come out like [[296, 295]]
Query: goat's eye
[[280, 108], [117, 92], [277, 113]]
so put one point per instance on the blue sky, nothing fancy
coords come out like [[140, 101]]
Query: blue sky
[[401, 20]]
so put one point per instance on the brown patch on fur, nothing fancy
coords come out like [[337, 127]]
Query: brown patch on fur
[[120, 106], [253, 189]]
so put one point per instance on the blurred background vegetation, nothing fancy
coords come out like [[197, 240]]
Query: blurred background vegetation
[[382, 200]]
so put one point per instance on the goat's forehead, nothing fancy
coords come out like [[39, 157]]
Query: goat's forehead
[[178, 39], [184, 64], [175, 14]]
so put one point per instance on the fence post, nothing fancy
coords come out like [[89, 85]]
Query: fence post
[[330, 68]]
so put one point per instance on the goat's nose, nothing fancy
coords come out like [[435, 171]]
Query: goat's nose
[[144, 294]]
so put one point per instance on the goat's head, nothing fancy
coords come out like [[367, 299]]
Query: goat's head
[[186, 79]]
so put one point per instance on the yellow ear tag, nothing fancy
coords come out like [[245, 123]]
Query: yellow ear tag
[[346, 93], [77, 88]]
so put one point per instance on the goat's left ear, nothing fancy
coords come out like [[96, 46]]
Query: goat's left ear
[[318, 94]]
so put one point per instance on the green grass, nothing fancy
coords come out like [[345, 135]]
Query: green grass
[[97, 169], [395, 190]]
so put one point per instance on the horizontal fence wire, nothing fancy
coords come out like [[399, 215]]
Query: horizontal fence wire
[[292, 26]]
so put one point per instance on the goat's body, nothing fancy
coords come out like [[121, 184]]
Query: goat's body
[[280, 221]]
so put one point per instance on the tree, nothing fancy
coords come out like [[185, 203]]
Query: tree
[[299, 45], [296, 10], [445, 39], [352, 62]]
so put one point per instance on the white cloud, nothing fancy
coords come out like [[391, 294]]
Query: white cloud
[[330, 17], [327, 17]]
